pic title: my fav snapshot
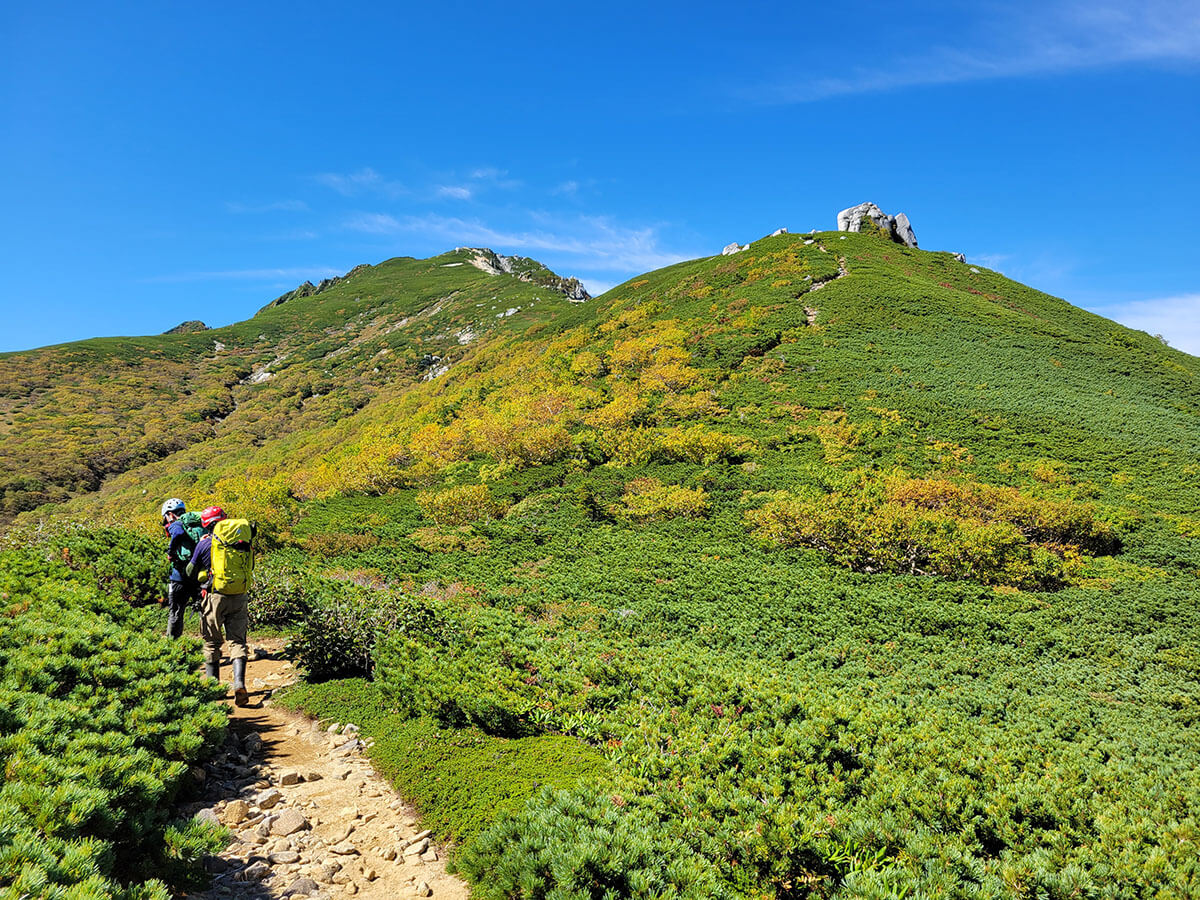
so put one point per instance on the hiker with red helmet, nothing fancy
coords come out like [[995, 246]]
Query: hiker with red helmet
[[223, 563]]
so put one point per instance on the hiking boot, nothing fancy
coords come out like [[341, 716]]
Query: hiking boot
[[213, 670], [241, 697]]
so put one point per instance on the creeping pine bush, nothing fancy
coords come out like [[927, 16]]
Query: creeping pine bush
[[477, 668], [100, 719], [583, 845], [124, 564]]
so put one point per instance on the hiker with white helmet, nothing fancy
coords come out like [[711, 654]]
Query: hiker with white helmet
[[183, 531]]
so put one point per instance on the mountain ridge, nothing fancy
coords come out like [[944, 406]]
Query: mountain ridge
[[369, 303]]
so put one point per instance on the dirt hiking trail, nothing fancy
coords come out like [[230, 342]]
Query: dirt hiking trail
[[310, 817]]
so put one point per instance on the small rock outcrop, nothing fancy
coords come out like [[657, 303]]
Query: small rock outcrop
[[308, 288], [189, 327], [735, 247], [896, 228]]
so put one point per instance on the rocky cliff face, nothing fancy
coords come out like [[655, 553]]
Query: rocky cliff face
[[528, 270], [897, 227]]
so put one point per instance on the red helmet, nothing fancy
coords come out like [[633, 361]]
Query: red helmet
[[210, 515]]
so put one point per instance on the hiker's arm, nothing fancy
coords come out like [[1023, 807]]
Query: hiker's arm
[[178, 541], [201, 559]]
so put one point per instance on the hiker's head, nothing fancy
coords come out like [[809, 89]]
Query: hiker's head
[[172, 509], [211, 516]]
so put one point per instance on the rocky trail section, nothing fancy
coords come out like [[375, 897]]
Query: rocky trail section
[[310, 817], [819, 283]]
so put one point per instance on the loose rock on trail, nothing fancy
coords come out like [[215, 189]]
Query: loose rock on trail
[[310, 817]]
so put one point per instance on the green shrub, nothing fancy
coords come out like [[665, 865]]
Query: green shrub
[[123, 563], [338, 633], [280, 596], [343, 622], [474, 669], [584, 846]]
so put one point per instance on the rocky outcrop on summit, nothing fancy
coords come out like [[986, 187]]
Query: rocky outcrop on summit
[[525, 269], [308, 288], [902, 230], [189, 327], [897, 228]]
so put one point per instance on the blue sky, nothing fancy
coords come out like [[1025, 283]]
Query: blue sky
[[162, 163]]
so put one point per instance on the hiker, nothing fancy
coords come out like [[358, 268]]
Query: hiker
[[223, 563], [183, 531]]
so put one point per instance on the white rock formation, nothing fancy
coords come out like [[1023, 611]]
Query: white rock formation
[[902, 230], [899, 229]]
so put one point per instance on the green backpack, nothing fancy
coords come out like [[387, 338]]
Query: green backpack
[[194, 531], [232, 556]]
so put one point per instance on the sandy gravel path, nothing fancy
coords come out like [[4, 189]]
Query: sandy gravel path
[[309, 814]]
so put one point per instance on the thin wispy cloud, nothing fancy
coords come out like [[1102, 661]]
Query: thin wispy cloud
[[1055, 39], [296, 234], [1176, 318], [364, 181], [301, 273], [374, 223], [492, 177], [590, 242], [278, 206], [454, 192], [566, 189]]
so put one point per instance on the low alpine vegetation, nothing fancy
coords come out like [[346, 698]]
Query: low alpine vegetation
[[99, 722]]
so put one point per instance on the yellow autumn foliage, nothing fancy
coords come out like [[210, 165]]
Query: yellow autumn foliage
[[460, 505]]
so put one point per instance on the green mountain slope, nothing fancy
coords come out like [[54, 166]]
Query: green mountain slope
[[871, 573], [74, 414]]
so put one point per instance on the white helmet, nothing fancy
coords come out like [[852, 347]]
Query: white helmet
[[174, 505]]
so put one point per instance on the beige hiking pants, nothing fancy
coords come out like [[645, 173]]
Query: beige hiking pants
[[224, 616]]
